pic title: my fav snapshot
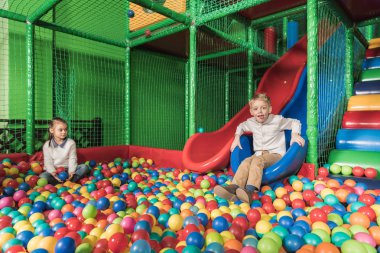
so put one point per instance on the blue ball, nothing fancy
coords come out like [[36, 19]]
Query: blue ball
[[298, 212], [286, 222], [40, 251], [196, 239], [190, 220], [292, 243], [24, 186], [220, 224], [92, 163], [143, 225], [303, 224], [203, 218], [297, 230], [65, 245], [214, 248], [103, 203], [153, 210], [119, 206], [140, 246], [63, 176], [8, 191], [24, 237]]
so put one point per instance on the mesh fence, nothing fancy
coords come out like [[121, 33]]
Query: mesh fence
[[331, 79]]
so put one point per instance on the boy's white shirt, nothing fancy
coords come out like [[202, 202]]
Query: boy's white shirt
[[269, 135], [60, 156]]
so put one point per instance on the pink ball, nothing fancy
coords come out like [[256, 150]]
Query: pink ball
[[364, 237], [69, 199], [20, 194], [78, 211], [6, 202], [359, 190], [249, 249], [128, 224], [123, 187], [54, 214], [111, 217], [109, 189], [319, 187]]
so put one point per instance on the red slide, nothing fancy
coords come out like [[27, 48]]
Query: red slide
[[204, 152]]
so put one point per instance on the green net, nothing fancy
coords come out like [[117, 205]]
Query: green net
[[331, 79]]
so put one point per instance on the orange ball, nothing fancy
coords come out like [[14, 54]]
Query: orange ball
[[359, 219], [186, 212], [307, 248], [375, 233], [233, 244], [37, 169], [326, 247], [332, 183], [350, 182], [341, 194]]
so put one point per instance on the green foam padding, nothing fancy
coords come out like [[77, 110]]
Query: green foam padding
[[353, 158], [370, 75]]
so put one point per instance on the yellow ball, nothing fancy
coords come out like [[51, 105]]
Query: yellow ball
[[215, 213], [97, 232], [48, 243], [185, 206], [36, 216], [325, 192], [224, 209], [263, 227], [280, 192], [34, 243], [297, 185], [175, 222], [90, 239], [279, 204], [295, 195], [19, 225], [321, 225], [283, 213], [227, 235]]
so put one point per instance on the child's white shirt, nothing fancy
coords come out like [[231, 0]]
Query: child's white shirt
[[269, 135], [63, 155]]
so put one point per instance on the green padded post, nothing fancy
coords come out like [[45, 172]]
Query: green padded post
[[30, 114], [250, 63], [187, 100], [127, 70], [349, 61], [227, 97], [312, 81], [42, 10], [369, 32], [192, 68], [284, 35]]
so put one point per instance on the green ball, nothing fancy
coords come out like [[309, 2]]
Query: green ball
[[369, 248], [275, 237], [312, 239], [341, 229], [205, 184], [84, 248], [346, 170], [214, 237], [358, 228], [42, 182], [191, 249], [10, 243], [331, 200], [280, 231], [132, 186], [352, 246], [89, 211], [322, 234], [267, 245], [335, 218], [335, 169]]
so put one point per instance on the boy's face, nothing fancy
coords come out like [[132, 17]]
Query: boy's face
[[260, 110], [59, 130]]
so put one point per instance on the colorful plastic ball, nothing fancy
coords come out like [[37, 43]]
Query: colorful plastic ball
[[359, 219], [370, 172], [220, 224], [205, 184], [65, 245], [89, 211], [25, 236], [140, 246], [286, 222], [339, 238], [335, 169], [119, 205], [10, 243], [196, 239], [365, 238], [118, 242], [102, 203], [63, 176], [292, 243], [312, 239], [346, 170], [352, 246], [267, 245], [130, 14], [39, 251]]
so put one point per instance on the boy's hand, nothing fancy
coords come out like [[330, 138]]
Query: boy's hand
[[70, 176], [236, 143], [298, 139]]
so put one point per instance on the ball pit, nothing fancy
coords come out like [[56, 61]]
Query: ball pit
[[133, 205]]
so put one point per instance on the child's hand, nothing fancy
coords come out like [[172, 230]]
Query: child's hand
[[235, 143], [70, 176], [298, 139]]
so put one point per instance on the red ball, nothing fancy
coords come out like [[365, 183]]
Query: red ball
[[15, 249], [75, 236], [314, 200], [286, 198], [73, 224], [368, 211], [327, 209], [242, 222], [101, 244], [367, 199], [357, 171], [324, 172], [370, 172], [318, 214], [266, 199], [60, 169], [169, 242], [118, 242], [188, 229], [269, 208], [140, 235], [228, 217], [308, 195], [237, 231], [298, 203], [253, 217], [61, 232]]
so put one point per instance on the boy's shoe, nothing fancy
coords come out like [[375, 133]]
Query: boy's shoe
[[244, 195], [227, 192]]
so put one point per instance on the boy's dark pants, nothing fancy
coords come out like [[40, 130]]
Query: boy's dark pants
[[250, 171]]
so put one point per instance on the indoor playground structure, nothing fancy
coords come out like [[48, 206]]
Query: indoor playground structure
[[153, 91]]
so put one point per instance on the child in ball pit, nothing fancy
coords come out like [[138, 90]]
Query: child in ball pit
[[60, 151], [269, 146]]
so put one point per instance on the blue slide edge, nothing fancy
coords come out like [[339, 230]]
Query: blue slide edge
[[293, 159], [358, 139]]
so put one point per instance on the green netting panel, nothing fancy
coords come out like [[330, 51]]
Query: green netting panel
[[207, 6], [88, 89], [22, 7], [157, 100], [12, 86], [331, 80]]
